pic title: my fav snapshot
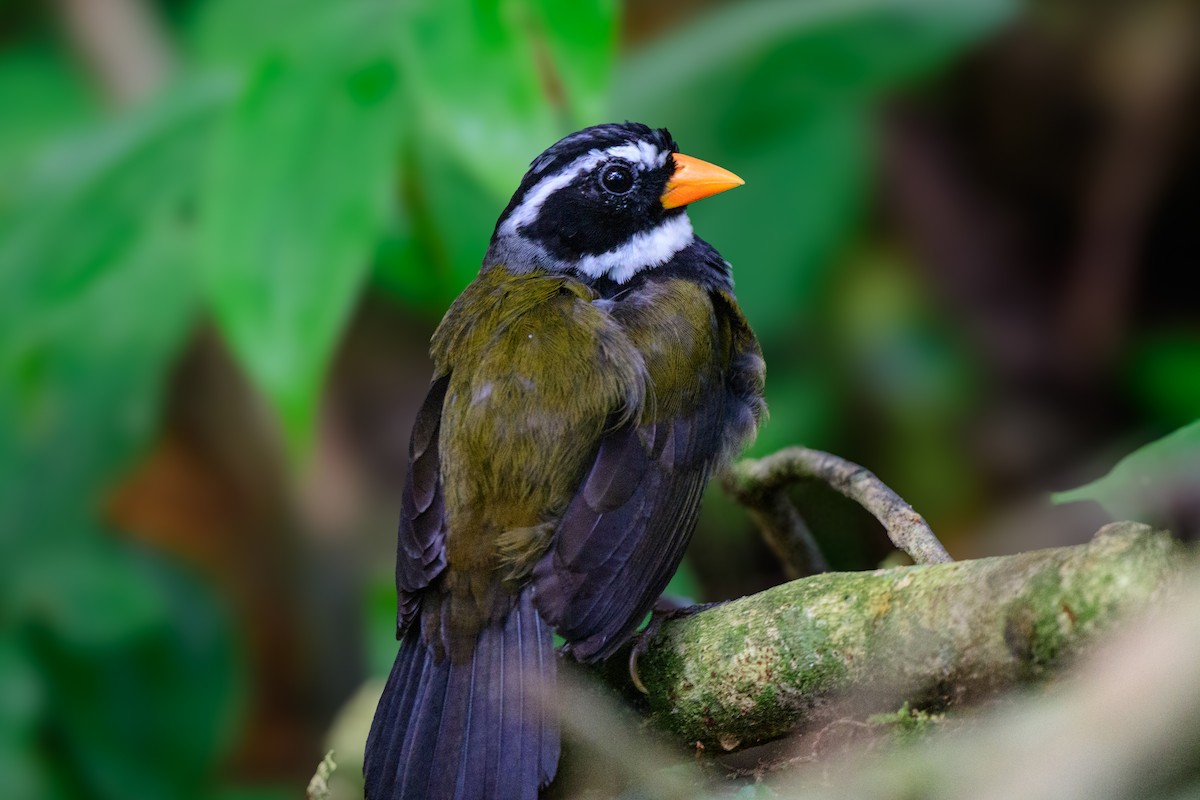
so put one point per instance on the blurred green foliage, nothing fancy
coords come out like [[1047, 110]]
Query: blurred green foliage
[[305, 151], [1165, 374], [1143, 485]]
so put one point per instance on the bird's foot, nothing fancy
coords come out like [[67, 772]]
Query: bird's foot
[[665, 609]]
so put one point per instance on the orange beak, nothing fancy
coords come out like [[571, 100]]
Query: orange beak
[[695, 180]]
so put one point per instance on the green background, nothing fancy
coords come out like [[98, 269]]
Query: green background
[[215, 294]]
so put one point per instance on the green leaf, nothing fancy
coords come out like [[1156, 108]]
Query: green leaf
[[547, 67], [1165, 375], [782, 235], [683, 584], [813, 409], [234, 33], [472, 76], [22, 690], [1141, 486], [434, 244], [90, 595], [782, 93], [96, 297], [404, 267], [45, 95], [575, 46], [27, 772], [146, 711], [454, 214], [379, 621], [801, 54], [296, 199]]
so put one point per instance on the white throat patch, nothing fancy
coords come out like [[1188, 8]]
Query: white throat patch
[[644, 250]]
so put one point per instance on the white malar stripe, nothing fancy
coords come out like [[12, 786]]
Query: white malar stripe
[[645, 250]]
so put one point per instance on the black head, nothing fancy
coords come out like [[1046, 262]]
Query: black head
[[597, 204], [592, 191]]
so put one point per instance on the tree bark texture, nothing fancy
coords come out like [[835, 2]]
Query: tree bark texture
[[847, 644]]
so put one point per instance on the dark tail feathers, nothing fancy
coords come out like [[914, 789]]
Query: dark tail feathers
[[480, 730]]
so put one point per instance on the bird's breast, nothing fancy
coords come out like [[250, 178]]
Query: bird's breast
[[672, 326]]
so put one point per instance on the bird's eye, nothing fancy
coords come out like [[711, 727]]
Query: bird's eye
[[616, 178]]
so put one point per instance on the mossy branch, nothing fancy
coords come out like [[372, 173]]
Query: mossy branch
[[851, 644], [821, 651], [1125, 726]]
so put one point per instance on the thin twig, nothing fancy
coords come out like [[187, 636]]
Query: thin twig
[[781, 525], [759, 484]]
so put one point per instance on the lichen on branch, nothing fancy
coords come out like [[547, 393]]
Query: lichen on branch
[[847, 644]]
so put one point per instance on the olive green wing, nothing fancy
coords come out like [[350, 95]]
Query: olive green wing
[[624, 533]]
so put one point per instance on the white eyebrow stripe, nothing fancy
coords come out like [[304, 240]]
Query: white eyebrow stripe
[[644, 250], [527, 212], [644, 154]]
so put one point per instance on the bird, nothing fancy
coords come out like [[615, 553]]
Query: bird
[[587, 384]]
